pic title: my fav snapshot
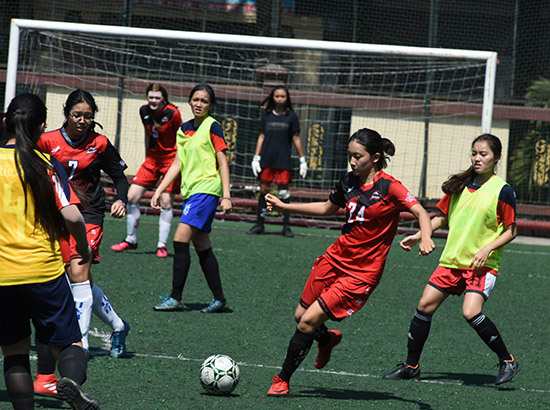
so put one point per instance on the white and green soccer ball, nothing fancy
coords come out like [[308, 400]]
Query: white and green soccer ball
[[219, 374]]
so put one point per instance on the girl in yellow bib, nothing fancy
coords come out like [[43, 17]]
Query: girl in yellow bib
[[479, 209], [202, 163], [36, 210]]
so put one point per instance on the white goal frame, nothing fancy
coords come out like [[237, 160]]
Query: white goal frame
[[490, 57]]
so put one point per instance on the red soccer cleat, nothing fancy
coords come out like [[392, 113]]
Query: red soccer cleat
[[123, 246], [161, 252], [324, 352], [279, 387], [45, 385]]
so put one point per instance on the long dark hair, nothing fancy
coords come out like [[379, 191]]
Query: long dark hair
[[457, 182], [374, 144], [76, 97], [24, 119], [269, 102], [208, 89]]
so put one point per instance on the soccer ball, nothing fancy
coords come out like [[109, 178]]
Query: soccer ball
[[219, 374]]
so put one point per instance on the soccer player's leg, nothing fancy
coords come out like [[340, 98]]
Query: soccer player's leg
[[103, 309], [265, 177], [133, 215], [419, 329], [478, 289]]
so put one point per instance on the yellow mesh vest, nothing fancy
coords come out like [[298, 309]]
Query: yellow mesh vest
[[26, 254], [198, 162], [473, 224]]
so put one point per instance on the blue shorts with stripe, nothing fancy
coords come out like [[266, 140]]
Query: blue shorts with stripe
[[199, 211]]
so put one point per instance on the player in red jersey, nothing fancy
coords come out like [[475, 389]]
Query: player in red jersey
[[161, 121], [84, 154], [344, 277]]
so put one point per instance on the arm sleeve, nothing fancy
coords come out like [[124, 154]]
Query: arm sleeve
[[401, 196], [294, 124], [506, 208], [216, 135], [443, 204], [64, 192], [114, 166], [337, 196]]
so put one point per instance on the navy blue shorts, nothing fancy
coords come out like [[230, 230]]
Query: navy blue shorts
[[199, 211], [50, 307]]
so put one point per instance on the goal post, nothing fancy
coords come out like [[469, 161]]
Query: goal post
[[430, 102]]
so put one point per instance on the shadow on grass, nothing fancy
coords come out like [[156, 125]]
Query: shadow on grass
[[362, 395], [467, 379], [198, 306], [39, 402]]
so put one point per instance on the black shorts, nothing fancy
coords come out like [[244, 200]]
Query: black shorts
[[50, 306]]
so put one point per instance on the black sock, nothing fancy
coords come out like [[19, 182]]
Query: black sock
[[261, 210], [182, 261], [418, 334], [488, 332], [286, 215], [73, 363], [298, 349], [45, 362], [211, 270], [17, 376], [322, 336]]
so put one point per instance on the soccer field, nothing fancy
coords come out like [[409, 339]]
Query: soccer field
[[263, 278]]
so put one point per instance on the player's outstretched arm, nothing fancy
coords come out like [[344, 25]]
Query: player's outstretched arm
[[426, 244], [410, 241], [326, 208]]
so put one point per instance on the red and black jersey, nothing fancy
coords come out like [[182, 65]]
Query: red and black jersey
[[161, 129], [372, 214], [83, 161]]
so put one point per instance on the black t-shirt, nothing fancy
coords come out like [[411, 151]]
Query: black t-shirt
[[278, 131]]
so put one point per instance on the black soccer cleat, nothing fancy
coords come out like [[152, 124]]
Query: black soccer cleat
[[256, 230], [508, 369], [404, 372], [72, 393]]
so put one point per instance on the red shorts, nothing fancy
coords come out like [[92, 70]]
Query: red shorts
[[278, 176], [458, 281], [151, 172], [94, 233], [339, 295]]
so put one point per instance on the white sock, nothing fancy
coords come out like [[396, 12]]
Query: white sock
[[132, 222], [102, 309], [82, 295], [165, 223]]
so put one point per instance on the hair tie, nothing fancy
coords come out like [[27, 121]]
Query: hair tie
[[19, 111]]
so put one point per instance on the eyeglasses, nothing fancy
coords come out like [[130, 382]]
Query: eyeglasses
[[88, 117]]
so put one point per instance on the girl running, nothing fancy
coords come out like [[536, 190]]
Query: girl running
[[344, 277]]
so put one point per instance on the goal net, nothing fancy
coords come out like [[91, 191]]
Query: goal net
[[430, 102]]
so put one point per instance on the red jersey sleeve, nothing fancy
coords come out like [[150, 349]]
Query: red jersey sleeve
[[443, 204], [216, 135], [401, 196], [506, 208]]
